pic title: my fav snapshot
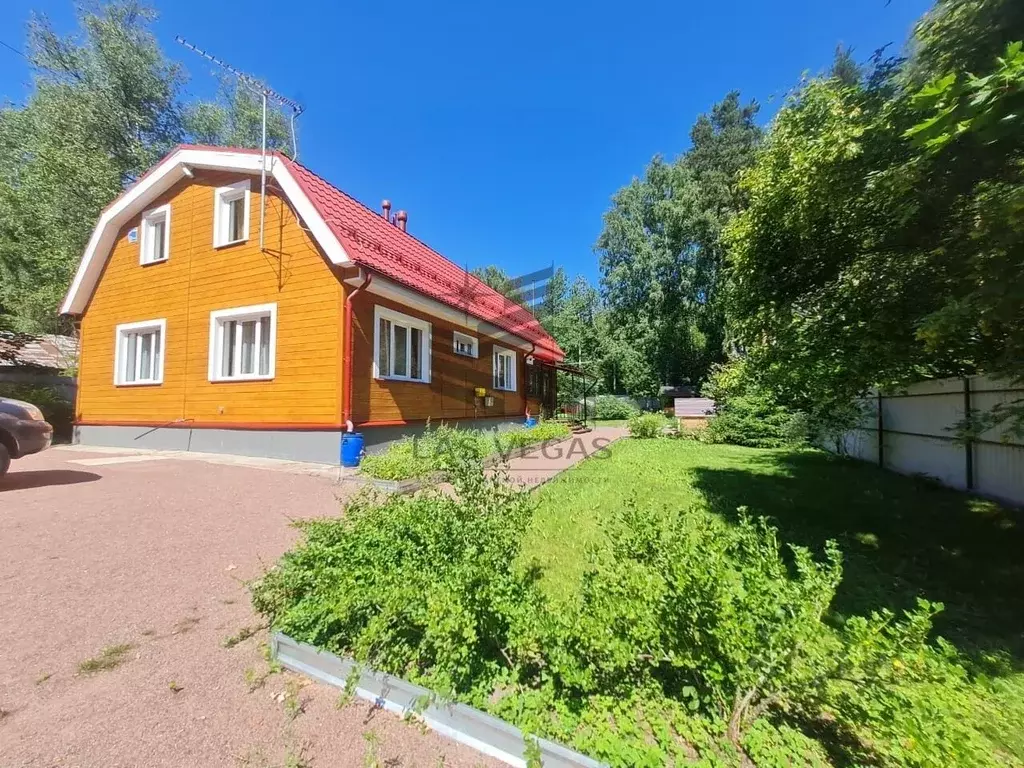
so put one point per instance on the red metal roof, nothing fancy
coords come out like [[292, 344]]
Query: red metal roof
[[373, 242]]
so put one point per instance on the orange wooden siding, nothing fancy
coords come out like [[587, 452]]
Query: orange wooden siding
[[450, 393], [197, 279]]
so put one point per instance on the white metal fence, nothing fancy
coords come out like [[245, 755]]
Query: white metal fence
[[912, 432]]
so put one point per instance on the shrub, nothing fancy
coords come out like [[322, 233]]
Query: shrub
[[688, 633], [646, 425], [57, 410], [757, 421], [612, 407], [443, 448]]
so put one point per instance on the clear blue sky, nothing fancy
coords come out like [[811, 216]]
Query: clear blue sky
[[503, 129]]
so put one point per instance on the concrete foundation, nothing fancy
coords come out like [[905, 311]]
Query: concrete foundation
[[322, 446]]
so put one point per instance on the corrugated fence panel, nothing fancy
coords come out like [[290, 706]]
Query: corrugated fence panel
[[919, 436]]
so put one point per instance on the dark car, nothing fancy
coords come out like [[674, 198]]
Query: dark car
[[23, 430]]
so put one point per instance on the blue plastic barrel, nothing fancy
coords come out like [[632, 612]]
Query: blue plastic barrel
[[351, 449], [531, 422]]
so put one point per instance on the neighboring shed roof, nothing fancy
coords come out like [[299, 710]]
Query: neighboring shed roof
[[694, 407], [47, 351]]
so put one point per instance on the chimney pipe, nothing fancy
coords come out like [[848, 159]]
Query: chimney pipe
[[386, 207], [403, 218]]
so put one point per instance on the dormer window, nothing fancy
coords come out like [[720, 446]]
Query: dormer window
[[231, 214], [155, 240]]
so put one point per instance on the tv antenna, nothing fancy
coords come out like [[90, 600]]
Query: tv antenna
[[265, 93]]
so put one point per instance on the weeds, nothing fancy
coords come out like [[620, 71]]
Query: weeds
[[110, 657], [371, 756], [243, 634], [43, 678], [175, 688]]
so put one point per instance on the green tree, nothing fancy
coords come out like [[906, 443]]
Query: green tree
[[235, 119], [104, 107], [662, 251], [883, 241]]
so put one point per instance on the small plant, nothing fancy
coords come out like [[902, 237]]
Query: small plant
[[646, 426], [43, 678], [175, 687], [371, 757], [110, 657], [290, 698], [349, 691], [243, 634], [185, 625]]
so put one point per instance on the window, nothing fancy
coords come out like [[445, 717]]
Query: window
[[463, 344], [231, 214], [401, 346], [139, 354], [155, 241], [243, 343], [504, 369]]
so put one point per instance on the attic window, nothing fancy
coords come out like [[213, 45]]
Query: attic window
[[155, 242], [463, 344], [231, 214]]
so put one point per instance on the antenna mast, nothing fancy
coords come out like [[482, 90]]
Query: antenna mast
[[265, 92]]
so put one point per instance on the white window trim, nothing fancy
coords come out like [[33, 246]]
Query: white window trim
[[164, 212], [219, 222], [515, 364], [473, 341], [241, 313], [379, 313], [143, 325]]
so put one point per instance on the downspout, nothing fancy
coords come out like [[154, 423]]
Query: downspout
[[350, 345], [526, 398]]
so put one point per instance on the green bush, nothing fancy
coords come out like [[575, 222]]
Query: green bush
[[688, 634], [646, 425], [747, 414], [610, 407], [442, 448], [57, 410]]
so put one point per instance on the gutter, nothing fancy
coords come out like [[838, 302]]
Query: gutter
[[350, 344]]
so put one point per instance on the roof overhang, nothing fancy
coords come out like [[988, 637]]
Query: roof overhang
[[161, 178]]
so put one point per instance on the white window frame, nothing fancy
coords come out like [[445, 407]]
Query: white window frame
[[218, 320], [508, 353], [120, 332], [465, 338], [146, 238], [398, 318], [222, 197]]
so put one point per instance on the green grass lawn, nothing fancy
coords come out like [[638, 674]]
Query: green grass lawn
[[901, 537]]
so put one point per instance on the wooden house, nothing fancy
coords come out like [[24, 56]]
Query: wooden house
[[236, 302]]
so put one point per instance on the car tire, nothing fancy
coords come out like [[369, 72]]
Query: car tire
[[5, 459]]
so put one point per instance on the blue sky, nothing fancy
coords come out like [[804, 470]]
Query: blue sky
[[503, 129]]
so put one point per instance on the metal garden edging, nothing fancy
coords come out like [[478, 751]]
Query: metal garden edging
[[464, 724]]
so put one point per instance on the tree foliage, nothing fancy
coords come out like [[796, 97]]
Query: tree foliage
[[884, 236], [106, 103], [662, 251]]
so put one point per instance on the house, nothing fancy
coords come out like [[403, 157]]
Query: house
[[235, 302]]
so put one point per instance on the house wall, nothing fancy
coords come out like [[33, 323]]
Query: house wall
[[450, 393], [197, 279]]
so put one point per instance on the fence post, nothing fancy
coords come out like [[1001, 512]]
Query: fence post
[[968, 443], [881, 433]]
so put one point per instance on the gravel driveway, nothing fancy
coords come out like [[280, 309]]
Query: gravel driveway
[[150, 555]]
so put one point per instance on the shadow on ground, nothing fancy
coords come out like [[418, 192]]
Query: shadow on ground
[[40, 478], [901, 538]]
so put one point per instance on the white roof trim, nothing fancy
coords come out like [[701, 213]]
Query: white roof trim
[[408, 297], [161, 178]]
